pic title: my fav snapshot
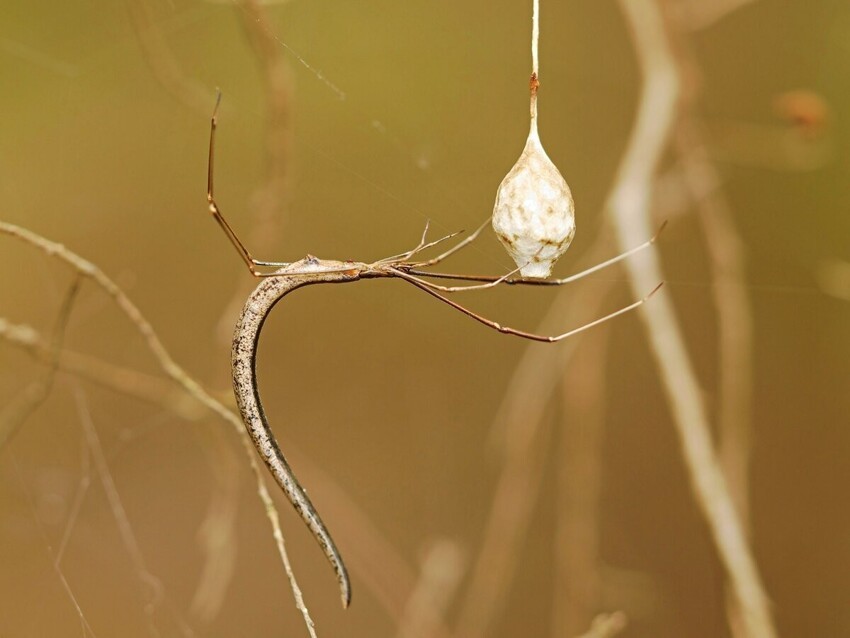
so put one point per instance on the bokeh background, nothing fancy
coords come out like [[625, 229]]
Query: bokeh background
[[343, 127]]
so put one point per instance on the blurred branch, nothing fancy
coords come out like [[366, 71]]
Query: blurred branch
[[606, 626], [630, 211], [151, 589], [833, 277], [278, 85], [271, 198], [373, 558], [726, 251], [701, 14], [514, 500], [384, 572], [130, 382], [521, 427], [176, 374], [268, 202], [56, 556], [19, 409], [673, 197], [441, 571], [734, 315], [217, 533], [577, 587], [161, 60]]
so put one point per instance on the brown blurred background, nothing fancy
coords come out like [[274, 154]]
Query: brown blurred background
[[340, 136]]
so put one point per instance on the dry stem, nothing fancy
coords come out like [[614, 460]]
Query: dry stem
[[734, 316], [220, 562], [383, 571], [177, 374], [123, 380], [630, 211]]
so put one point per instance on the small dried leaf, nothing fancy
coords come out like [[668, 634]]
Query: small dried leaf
[[534, 216]]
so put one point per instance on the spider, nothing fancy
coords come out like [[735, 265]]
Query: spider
[[280, 278]]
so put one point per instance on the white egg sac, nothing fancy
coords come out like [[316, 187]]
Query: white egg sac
[[534, 216]]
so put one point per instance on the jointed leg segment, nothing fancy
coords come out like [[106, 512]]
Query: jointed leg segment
[[513, 331], [216, 213], [415, 269]]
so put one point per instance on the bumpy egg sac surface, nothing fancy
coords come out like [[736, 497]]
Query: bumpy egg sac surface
[[534, 216]]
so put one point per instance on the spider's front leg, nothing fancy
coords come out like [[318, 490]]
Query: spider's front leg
[[252, 263], [451, 251], [414, 269]]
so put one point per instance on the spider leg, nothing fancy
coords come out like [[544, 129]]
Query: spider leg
[[455, 248], [521, 333], [412, 251], [433, 286], [612, 261], [216, 212], [422, 245], [433, 243], [541, 282]]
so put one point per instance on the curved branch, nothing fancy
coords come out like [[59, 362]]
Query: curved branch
[[175, 373], [630, 212]]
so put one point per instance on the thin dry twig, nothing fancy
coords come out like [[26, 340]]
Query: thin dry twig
[[19, 409], [133, 383], [151, 588], [176, 374], [630, 211], [383, 571], [216, 533], [56, 560]]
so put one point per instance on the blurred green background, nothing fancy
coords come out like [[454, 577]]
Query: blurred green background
[[103, 142]]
